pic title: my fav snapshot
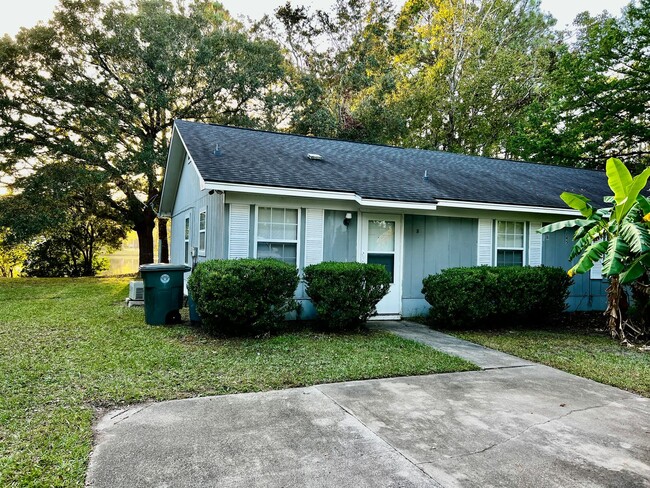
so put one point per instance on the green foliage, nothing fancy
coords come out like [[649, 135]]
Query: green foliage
[[57, 257], [417, 77], [243, 296], [345, 294], [61, 217], [12, 255], [96, 90], [618, 235], [456, 97], [578, 202], [593, 101], [336, 57], [466, 297]]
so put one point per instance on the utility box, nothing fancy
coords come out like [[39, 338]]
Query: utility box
[[163, 292], [195, 318]]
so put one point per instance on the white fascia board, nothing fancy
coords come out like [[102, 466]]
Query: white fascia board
[[507, 208], [176, 133], [198, 173], [364, 202], [324, 194], [280, 191], [167, 167]]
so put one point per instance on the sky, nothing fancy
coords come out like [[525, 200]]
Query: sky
[[26, 13]]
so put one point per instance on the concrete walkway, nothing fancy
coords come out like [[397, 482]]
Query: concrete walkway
[[483, 357], [510, 425]]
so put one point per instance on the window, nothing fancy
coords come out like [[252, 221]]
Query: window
[[203, 224], [511, 242], [381, 244], [277, 234], [186, 240]]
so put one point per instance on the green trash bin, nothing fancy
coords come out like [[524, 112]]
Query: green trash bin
[[163, 292]]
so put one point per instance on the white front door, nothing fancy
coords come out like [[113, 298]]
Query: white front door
[[381, 243]]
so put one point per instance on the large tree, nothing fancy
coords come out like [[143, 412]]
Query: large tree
[[466, 69], [12, 255], [439, 74], [97, 89], [595, 102], [335, 55], [62, 218]]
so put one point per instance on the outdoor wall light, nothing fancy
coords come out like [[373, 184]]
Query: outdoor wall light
[[347, 219]]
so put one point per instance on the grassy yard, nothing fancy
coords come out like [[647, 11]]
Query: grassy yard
[[584, 353], [68, 347]]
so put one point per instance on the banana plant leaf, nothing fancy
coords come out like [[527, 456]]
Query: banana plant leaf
[[619, 179], [636, 269], [636, 236], [614, 257], [644, 204], [563, 225], [639, 182], [592, 254], [578, 202], [594, 234]]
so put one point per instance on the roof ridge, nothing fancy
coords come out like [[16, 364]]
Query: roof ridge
[[372, 144], [267, 131]]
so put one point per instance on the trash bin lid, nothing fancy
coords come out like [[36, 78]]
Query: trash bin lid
[[164, 267]]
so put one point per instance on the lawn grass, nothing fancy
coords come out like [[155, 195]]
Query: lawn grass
[[585, 353], [68, 347]]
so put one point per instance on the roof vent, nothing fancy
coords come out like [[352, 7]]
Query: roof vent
[[217, 150], [315, 157]]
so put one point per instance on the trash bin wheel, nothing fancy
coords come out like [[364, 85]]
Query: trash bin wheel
[[174, 317]]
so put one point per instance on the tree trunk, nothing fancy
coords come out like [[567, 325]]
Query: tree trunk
[[144, 229], [616, 309], [163, 240]]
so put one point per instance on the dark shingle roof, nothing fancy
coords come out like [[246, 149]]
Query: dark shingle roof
[[382, 172]]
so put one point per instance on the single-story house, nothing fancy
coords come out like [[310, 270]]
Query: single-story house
[[236, 193]]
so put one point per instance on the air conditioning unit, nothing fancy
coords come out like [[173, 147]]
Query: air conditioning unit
[[136, 291]]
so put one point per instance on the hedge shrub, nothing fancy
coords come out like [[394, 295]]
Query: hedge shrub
[[243, 296], [463, 297], [345, 294]]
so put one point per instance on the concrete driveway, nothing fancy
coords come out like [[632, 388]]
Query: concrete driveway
[[523, 426]]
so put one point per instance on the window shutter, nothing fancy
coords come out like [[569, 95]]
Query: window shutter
[[596, 272], [535, 245], [314, 223], [238, 231], [484, 242]]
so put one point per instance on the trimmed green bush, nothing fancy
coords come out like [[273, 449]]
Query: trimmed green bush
[[243, 296], [345, 294], [483, 295]]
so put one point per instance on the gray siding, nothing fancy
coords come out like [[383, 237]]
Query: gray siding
[[432, 244], [189, 201], [176, 237], [340, 241], [214, 228], [586, 294]]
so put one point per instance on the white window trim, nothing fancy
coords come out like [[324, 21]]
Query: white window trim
[[298, 231], [524, 249], [187, 238], [203, 210]]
